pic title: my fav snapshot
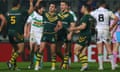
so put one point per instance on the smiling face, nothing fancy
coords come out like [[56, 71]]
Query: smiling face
[[52, 8], [63, 6]]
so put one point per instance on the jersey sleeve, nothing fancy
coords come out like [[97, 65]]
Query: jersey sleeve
[[29, 20], [74, 16], [71, 19], [92, 13]]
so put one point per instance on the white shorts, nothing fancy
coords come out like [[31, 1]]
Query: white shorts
[[35, 37], [103, 36]]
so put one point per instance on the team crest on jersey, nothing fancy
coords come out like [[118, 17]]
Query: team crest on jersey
[[82, 39], [51, 18], [63, 16]]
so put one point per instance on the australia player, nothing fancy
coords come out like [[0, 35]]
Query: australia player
[[15, 19], [84, 30], [52, 24], [64, 36]]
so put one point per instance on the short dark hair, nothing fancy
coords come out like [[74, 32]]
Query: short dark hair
[[66, 2], [87, 6], [15, 3], [39, 7], [53, 3], [101, 2]]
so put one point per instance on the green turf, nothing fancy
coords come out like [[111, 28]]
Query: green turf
[[75, 67]]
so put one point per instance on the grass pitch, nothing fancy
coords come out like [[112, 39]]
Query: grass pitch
[[75, 67]]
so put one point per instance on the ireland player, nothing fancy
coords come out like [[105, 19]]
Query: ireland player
[[84, 30], [36, 30], [16, 18], [52, 24], [103, 16], [64, 35]]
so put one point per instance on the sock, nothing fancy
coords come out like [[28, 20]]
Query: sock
[[38, 58], [111, 59], [53, 60], [32, 57], [13, 58], [66, 58], [83, 59], [100, 60], [115, 57]]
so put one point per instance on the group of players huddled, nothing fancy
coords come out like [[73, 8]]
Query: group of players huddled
[[43, 27]]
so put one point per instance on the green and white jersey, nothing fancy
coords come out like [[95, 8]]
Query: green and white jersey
[[36, 21]]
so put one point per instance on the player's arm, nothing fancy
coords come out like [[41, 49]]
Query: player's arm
[[27, 27], [31, 8], [115, 18], [3, 21], [58, 26], [37, 3], [80, 27]]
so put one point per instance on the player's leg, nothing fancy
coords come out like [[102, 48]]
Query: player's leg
[[107, 42], [53, 56], [100, 49], [67, 54], [58, 49], [32, 45], [115, 50], [80, 51], [40, 52], [116, 45]]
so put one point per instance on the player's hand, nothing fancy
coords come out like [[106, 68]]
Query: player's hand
[[56, 29], [69, 36], [0, 29], [31, 0], [71, 29], [111, 34]]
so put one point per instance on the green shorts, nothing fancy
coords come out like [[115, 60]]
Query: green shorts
[[15, 37], [51, 38], [62, 35], [84, 39]]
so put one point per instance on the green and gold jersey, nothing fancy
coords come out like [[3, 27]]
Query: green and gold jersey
[[16, 20], [89, 21], [66, 19], [50, 21]]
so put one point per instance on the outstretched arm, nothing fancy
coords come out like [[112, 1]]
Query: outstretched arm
[[3, 21]]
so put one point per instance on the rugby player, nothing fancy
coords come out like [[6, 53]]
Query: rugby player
[[35, 22], [15, 21], [84, 30], [64, 36], [52, 24], [102, 16]]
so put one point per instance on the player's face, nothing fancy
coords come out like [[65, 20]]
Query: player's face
[[63, 6], [52, 8], [82, 9], [40, 11]]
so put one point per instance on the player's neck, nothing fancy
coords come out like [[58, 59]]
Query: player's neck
[[66, 10], [86, 13], [51, 12]]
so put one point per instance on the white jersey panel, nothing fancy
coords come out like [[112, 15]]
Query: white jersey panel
[[102, 17], [36, 22]]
